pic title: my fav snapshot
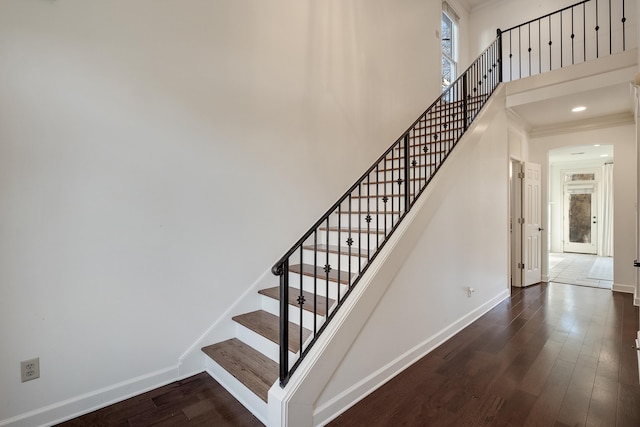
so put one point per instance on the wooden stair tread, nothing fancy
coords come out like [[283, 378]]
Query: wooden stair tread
[[268, 325], [334, 249], [318, 271], [321, 302], [252, 368]]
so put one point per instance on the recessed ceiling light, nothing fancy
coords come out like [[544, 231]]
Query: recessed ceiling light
[[578, 109], [604, 155], [596, 145]]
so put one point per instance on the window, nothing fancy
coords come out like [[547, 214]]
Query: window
[[449, 35]]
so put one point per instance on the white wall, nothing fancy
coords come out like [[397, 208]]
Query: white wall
[[464, 242], [156, 157], [623, 140]]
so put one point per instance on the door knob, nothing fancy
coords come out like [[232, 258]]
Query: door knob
[[540, 229]]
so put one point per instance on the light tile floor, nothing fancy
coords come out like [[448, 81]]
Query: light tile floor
[[581, 269]]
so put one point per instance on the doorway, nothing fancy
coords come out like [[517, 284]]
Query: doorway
[[580, 222]]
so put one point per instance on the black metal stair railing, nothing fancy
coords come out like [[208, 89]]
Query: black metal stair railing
[[318, 273], [578, 33]]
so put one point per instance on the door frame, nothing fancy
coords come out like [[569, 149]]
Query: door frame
[[515, 230], [590, 248]]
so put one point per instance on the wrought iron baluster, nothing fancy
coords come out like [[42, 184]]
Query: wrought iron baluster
[[327, 270], [624, 31], [359, 226], [573, 36], [349, 240], [377, 207], [406, 173], [301, 298], [584, 31], [339, 247], [561, 55], [597, 32], [610, 32], [368, 216], [283, 270], [550, 43]]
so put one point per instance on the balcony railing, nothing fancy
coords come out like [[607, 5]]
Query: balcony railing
[[578, 33]]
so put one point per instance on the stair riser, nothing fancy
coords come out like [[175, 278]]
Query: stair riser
[[383, 185], [273, 306], [391, 177], [376, 204], [394, 169], [332, 259], [377, 219], [262, 344], [437, 119], [245, 396], [363, 240], [320, 287]]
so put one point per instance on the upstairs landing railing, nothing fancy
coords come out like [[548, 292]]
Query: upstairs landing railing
[[584, 31], [321, 269]]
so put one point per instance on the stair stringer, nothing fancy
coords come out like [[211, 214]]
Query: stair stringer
[[294, 405], [224, 328]]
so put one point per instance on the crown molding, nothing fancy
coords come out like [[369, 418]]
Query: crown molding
[[618, 119]]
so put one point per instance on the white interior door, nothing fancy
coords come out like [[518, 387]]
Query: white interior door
[[532, 224], [515, 221], [580, 218]]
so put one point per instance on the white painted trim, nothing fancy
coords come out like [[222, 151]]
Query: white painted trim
[[619, 119], [336, 406], [627, 289], [239, 391], [89, 402], [638, 353], [223, 328]]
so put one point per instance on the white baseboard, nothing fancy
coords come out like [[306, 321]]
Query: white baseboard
[[638, 353], [360, 390], [89, 402], [627, 289]]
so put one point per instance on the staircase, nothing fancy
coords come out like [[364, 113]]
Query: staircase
[[330, 260], [318, 273]]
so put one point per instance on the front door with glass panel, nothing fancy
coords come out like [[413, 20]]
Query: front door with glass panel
[[580, 213]]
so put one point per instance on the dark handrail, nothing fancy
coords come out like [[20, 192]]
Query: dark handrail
[[411, 162]]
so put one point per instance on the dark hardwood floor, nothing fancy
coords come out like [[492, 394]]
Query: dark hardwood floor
[[195, 401], [552, 355]]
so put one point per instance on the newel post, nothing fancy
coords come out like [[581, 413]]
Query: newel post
[[283, 272], [499, 31]]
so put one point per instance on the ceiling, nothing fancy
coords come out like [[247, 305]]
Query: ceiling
[[581, 153], [476, 3], [600, 103]]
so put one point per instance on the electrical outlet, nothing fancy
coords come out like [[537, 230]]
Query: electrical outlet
[[30, 369]]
